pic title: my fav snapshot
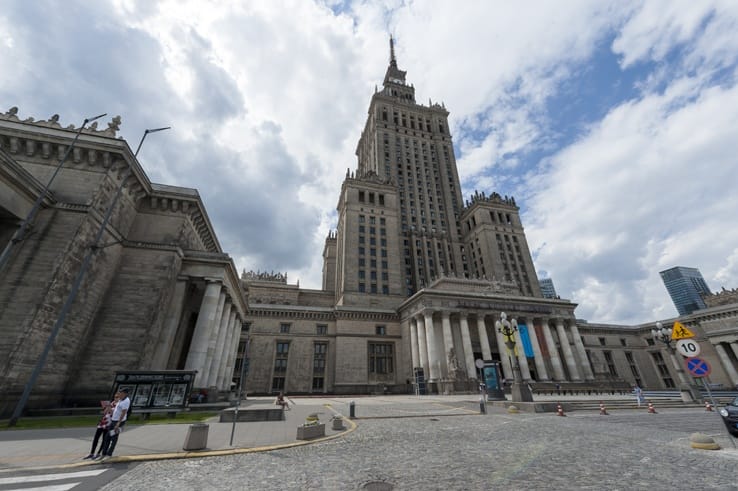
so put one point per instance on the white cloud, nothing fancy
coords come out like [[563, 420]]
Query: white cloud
[[268, 99]]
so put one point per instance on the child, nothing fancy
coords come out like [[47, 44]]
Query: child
[[104, 421]]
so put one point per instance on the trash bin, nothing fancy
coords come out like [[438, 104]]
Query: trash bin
[[197, 437]]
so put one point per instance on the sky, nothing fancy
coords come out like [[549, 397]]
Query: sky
[[613, 124]]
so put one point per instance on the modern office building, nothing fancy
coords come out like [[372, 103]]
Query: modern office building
[[686, 288], [547, 287]]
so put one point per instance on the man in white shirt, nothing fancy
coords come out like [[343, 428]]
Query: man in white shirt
[[120, 414]]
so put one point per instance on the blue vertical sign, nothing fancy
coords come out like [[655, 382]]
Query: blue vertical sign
[[525, 338]]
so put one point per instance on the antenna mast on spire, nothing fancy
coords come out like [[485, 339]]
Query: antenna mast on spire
[[393, 61]]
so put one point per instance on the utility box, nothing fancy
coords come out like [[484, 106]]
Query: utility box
[[197, 437]]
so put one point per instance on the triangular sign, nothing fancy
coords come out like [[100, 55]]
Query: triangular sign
[[679, 331]]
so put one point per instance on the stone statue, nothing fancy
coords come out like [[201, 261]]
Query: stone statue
[[455, 372], [113, 126], [12, 114]]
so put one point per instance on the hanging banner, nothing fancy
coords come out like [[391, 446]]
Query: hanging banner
[[525, 338], [541, 340]]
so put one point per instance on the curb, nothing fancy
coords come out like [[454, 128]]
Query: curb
[[188, 455]]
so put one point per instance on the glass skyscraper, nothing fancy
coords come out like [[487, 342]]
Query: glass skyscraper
[[685, 286]]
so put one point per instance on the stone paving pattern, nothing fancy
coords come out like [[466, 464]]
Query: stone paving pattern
[[627, 450]]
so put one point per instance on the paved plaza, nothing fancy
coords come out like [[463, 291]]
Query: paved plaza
[[460, 450]]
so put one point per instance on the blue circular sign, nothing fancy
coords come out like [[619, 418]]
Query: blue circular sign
[[698, 367]]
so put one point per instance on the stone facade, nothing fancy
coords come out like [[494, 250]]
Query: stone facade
[[414, 279], [141, 297]]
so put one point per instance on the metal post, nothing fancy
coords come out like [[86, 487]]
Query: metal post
[[20, 234], [244, 356], [71, 297]]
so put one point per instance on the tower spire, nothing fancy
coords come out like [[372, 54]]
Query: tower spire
[[393, 61]]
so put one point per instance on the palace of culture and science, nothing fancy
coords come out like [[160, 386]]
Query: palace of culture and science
[[415, 278]]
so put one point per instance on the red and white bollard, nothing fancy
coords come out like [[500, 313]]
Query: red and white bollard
[[651, 409], [603, 411], [708, 406], [560, 410]]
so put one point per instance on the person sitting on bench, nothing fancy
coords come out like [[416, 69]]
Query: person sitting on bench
[[282, 402]]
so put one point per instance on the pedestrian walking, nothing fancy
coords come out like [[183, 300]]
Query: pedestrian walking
[[107, 410], [639, 395], [117, 421]]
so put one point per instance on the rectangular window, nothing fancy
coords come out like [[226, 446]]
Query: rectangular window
[[321, 329], [319, 359], [284, 328], [602, 341], [280, 366], [381, 358], [633, 368], [610, 363], [361, 196], [662, 369], [381, 330]]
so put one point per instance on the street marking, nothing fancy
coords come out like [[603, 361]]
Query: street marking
[[52, 487], [50, 477], [679, 331]]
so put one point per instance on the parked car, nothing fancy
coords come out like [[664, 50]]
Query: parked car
[[730, 416]]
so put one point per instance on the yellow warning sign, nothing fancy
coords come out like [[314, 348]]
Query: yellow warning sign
[[679, 331]]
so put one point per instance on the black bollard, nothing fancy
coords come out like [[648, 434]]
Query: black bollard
[[482, 405], [352, 409]]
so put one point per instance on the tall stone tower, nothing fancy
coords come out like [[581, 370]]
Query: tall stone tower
[[401, 219]]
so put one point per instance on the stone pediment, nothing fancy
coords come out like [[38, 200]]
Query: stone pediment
[[449, 283]]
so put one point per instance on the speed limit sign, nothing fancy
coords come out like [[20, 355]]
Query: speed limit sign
[[688, 348]]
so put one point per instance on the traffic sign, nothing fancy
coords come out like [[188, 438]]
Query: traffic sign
[[479, 363], [688, 347], [679, 331], [698, 367]]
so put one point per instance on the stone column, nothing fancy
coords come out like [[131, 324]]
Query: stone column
[[571, 363], [224, 377], [553, 352], [434, 364], [504, 355], [422, 346], [448, 342], [225, 324], [579, 345], [197, 356], [537, 354], [174, 316], [483, 339], [734, 347], [214, 330], [522, 359], [414, 342], [471, 370], [727, 363], [233, 352]]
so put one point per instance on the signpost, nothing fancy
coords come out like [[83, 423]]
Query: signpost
[[698, 367], [688, 348]]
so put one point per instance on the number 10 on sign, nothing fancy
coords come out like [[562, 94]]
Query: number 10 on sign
[[688, 348]]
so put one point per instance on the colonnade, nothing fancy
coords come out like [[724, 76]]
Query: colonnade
[[442, 360], [722, 351], [215, 339]]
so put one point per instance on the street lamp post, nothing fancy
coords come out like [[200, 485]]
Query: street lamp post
[[520, 392], [86, 262], [663, 334]]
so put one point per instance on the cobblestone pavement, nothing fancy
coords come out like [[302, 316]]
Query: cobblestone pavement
[[627, 450]]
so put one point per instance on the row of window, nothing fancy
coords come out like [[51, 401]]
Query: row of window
[[380, 361], [322, 329]]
